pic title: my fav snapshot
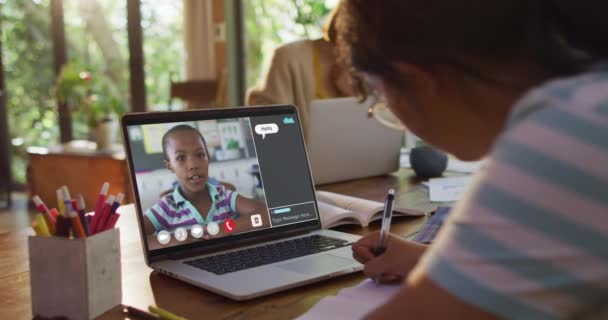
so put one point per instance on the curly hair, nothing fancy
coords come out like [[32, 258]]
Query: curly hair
[[561, 36]]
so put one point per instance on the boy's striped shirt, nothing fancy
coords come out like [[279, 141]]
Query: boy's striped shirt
[[173, 210]]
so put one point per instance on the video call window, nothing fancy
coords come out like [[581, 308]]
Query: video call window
[[197, 180]]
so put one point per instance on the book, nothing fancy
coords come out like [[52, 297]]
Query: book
[[337, 209]]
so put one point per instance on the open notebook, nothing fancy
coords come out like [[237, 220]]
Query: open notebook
[[337, 209], [352, 303]]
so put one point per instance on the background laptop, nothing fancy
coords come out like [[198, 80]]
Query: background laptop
[[258, 153], [344, 144]]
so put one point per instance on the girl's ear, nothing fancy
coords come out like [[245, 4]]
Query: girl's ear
[[168, 166]]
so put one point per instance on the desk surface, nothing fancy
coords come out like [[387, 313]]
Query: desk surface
[[142, 287]]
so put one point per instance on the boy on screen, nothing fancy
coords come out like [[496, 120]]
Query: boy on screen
[[197, 199]]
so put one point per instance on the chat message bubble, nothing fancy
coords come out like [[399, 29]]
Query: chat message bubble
[[264, 129]]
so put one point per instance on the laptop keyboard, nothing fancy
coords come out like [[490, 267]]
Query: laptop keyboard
[[270, 253]]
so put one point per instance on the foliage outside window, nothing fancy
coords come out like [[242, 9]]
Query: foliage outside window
[[97, 41], [28, 57], [91, 98], [271, 23], [29, 75], [163, 48]]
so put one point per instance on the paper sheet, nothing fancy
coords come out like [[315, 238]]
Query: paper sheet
[[455, 165], [352, 303], [447, 189]]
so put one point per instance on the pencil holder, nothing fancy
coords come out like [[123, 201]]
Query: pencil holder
[[75, 278]]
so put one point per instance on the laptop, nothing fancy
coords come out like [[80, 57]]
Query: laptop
[[344, 143], [261, 233]]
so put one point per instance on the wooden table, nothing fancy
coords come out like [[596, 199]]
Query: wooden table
[[79, 166], [142, 287]]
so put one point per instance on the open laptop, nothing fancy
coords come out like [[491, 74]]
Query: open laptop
[[256, 155], [344, 144]]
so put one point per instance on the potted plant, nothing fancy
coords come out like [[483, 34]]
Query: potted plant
[[92, 101], [232, 149]]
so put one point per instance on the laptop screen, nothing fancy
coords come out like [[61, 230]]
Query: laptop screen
[[212, 176]]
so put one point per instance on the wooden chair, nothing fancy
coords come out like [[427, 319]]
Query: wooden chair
[[200, 94], [195, 94]]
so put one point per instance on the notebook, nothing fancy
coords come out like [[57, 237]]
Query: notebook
[[225, 201], [344, 143], [352, 303]]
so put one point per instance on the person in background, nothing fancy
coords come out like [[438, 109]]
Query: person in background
[[524, 82], [303, 71]]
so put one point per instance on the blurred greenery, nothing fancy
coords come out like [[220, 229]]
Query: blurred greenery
[[97, 42], [91, 100], [163, 48], [28, 57], [270, 23], [29, 74]]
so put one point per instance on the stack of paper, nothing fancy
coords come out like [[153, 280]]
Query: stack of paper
[[455, 165], [447, 189], [352, 303]]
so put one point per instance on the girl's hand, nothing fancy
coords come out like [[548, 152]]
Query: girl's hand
[[394, 264]]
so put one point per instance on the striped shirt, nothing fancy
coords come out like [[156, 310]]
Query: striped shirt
[[530, 238], [173, 210]]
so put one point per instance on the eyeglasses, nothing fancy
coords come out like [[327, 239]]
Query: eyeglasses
[[380, 111]]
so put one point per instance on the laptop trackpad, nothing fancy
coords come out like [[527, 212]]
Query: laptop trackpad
[[316, 264]]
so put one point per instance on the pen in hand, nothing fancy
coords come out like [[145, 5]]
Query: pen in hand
[[386, 224]]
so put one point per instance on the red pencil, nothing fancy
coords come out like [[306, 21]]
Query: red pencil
[[99, 206], [102, 197], [112, 221], [99, 222]]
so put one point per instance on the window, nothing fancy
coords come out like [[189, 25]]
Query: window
[[270, 23], [97, 42], [29, 75], [163, 49]]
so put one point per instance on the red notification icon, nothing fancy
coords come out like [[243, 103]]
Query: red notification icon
[[229, 225]]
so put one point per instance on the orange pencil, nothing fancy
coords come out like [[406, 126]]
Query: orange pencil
[[54, 212], [72, 214], [78, 226]]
